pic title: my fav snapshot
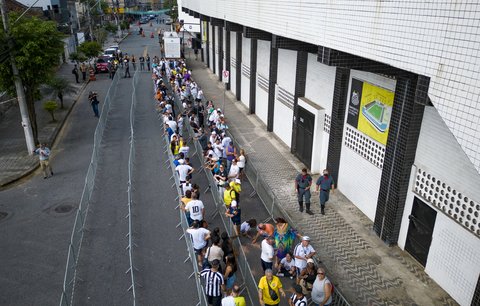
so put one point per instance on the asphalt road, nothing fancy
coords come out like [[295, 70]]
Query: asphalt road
[[34, 236]]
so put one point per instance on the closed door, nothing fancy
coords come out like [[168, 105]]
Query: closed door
[[304, 136], [420, 229]]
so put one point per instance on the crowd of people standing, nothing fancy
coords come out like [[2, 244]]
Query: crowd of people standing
[[215, 253]]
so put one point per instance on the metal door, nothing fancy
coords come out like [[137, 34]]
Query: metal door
[[304, 136], [420, 229]]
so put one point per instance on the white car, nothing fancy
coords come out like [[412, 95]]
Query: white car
[[112, 50]]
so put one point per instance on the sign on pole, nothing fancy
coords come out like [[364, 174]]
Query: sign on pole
[[225, 76]]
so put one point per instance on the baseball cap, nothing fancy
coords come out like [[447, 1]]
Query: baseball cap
[[181, 161], [238, 181], [310, 260], [214, 133], [306, 238], [234, 203]]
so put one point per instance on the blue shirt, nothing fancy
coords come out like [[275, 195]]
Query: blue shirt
[[325, 183], [303, 181]]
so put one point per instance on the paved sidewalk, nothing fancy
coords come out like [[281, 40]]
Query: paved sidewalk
[[362, 267], [15, 163]]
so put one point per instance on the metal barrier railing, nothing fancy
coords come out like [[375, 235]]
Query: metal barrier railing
[[131, 161], [76, 237], [266, 195], [249, 280], [184, 224]]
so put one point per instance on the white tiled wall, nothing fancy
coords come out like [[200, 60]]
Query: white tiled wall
[[233, 54], [245, 83], [439, 39]]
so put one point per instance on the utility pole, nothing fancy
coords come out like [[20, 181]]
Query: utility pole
[[22, 101]]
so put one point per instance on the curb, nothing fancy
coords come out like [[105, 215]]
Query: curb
[[51, 140]]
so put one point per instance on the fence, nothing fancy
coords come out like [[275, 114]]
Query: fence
[[184, 224], [267, 197], [249, 281], [131, 161], [81, 215]]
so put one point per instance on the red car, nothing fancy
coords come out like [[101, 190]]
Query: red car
[[101, 64]]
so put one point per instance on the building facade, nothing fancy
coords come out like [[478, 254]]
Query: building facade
[[385, 94]]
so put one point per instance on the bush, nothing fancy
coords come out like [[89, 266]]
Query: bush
[[51, 106]]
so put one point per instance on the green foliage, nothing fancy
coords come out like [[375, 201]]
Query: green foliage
[[77, 57], [90, 49], [60, 87], [51, 106], [110, 27], [124, 25], [101, 35], [37, 50]]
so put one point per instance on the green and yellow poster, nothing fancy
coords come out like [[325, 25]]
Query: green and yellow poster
[[369, 110]]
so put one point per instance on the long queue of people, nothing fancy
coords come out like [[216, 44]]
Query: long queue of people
[[215, 254]]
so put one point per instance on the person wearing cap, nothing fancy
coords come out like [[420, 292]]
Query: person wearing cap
[[234, 213], [297, 298], [303, 251], [236, 185], [213, 138], [322, 289], [303, 182], [214, 283], [307, 276], [268, 253], [270, 284], [325, 183], [183, 171]]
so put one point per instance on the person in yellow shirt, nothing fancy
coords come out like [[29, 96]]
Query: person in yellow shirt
[[228, 195], [234, 299], [270, 284], [237, 188]]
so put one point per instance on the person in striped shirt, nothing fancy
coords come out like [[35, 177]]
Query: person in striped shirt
[[214, 284], [297, 298]]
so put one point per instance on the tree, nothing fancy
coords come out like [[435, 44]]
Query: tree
[[77, 57], [37, 49], [90, 49], [60, 87], [51, 106]]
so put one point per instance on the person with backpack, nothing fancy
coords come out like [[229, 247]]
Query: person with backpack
[[322, 289], [75, 72], [92, 97]]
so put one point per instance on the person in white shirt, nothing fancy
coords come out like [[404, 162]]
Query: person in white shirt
[[303, 251], [172, 123], [183, 171], [287, 266], [196, 209], [246, 226], [200, 237], [268, 253], [186, 186], [225, 142], [213, 138], [218, 148], [234, 170]]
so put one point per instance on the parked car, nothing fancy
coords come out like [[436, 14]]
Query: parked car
[[144, 20], [101, 64], [111, 51]]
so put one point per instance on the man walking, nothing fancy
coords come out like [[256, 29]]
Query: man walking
[[92, 97], [325, 184], [141, 59], [127, 68], [83, 69], [214, 284], [148, 62], [303, 182], [44, 155], [75, 72]]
